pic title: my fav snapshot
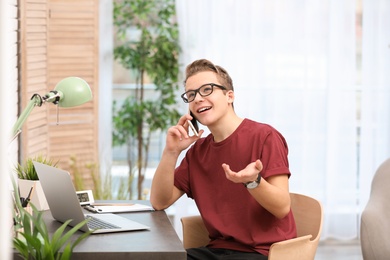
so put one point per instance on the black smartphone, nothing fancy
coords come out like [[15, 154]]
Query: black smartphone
[[194, 122]]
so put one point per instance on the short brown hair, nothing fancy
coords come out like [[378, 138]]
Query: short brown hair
[[206, 65]]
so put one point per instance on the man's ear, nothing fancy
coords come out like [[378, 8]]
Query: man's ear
[[230, 96]]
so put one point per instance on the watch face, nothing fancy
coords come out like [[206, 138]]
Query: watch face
[[252, 185]]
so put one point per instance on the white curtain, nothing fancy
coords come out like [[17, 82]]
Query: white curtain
[[294, 66], [375, 106]]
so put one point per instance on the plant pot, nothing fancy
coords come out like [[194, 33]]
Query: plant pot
[[37, 198]]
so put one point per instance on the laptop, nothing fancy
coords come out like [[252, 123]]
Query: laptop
[[64, 204]]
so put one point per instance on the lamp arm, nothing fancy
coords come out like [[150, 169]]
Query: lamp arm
[[35, 100]]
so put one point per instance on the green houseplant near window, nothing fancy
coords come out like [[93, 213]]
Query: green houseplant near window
[[152, 53], [28, 177]]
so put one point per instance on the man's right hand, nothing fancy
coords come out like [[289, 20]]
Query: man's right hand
[[178, 138]]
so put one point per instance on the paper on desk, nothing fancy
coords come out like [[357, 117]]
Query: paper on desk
[[117, 208]]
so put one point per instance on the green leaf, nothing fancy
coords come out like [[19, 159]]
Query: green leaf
[[34, 241], [67, 253], [57, 241], [68, 234], [27, 171]]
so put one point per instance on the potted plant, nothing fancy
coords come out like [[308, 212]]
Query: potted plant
[[28, 181], [151, 51], [31, 237]]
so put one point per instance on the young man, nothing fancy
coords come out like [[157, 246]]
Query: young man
[[238, 175]]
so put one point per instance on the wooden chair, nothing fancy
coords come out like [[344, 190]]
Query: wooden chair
[[308, 218]]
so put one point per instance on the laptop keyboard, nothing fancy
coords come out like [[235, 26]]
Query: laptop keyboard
[[95, 223]]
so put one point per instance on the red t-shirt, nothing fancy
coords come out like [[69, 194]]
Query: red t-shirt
[[233, 218]]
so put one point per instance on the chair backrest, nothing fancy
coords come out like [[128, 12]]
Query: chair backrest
[[308, 219], [308, 215]]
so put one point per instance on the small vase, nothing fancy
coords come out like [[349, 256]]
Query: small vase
[[37, 198]]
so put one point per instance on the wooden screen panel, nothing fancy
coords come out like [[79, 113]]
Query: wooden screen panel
[[59, 39], [73, 51], [33, 75]]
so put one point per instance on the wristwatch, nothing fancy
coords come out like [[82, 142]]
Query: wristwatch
[[253, 184]]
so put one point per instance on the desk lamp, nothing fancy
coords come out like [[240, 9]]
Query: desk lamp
[[69, 92]]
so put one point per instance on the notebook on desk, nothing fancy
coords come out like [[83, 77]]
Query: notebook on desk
[[117, 207], [64, 204]]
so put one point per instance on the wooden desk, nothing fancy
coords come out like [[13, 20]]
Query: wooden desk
[[160, 242]]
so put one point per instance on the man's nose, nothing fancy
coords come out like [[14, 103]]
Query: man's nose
[[198, 97]]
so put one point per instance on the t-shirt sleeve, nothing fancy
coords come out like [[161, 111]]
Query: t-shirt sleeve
[[274, 155]]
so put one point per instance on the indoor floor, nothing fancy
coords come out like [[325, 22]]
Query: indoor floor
[[336, 250]]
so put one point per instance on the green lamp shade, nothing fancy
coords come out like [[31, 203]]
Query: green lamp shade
[[73, 91]]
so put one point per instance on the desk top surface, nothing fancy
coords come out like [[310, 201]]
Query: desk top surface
[[160, 242]]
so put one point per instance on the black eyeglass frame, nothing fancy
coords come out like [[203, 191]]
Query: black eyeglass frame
[[196, 91]]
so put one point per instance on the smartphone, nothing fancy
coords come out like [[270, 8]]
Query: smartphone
[[194, 122], [192, 128]]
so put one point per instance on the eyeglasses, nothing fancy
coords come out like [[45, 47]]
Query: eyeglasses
[[204, 90]]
